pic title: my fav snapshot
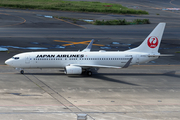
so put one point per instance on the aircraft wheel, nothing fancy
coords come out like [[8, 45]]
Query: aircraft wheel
[[89, 73], [22, 71]]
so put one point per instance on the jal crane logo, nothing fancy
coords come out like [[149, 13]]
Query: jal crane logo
[[152, 42]]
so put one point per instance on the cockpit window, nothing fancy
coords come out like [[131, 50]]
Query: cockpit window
[[16, 58]]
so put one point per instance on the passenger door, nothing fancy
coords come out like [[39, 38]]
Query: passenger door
[[27, 59], [137, 58]]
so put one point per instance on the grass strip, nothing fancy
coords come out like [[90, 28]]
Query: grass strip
[[110, 22], [82, 6], [122, 22]]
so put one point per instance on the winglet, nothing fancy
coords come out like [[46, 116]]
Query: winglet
[[88, 48], [128, 63]]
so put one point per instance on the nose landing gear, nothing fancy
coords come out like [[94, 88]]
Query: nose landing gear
[[22, 71]]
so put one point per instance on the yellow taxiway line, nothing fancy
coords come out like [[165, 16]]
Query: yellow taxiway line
[[69, 22], [74, 43]]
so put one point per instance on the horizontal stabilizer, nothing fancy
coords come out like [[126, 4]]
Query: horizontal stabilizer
[[161, 55]]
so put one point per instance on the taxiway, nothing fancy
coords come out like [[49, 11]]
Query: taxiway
[[149, 91]]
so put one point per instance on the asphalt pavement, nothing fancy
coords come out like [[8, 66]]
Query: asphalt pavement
[[148, 91]]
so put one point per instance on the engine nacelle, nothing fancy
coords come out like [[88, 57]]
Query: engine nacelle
[[72, 70]]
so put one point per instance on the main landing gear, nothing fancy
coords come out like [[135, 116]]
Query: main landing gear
[[89, 73]]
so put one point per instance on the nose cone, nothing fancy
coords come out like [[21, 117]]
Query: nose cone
[[9, 62]]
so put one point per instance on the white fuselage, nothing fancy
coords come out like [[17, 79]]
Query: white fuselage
[[56, 59], [85, 60]]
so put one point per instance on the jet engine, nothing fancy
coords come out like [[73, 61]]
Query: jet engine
[[72, 70]]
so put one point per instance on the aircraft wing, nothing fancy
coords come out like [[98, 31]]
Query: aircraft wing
[[102, 66], [88, 48], [96, 66]]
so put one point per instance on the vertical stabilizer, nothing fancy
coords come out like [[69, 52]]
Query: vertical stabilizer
[[152, 42]]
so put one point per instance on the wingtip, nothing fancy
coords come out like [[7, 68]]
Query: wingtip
[[128, 63], [162, 23], [88, 48]]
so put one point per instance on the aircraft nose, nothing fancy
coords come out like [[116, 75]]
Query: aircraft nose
[[9, 62]]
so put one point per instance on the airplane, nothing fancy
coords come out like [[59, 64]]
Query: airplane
[[85, 61]]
